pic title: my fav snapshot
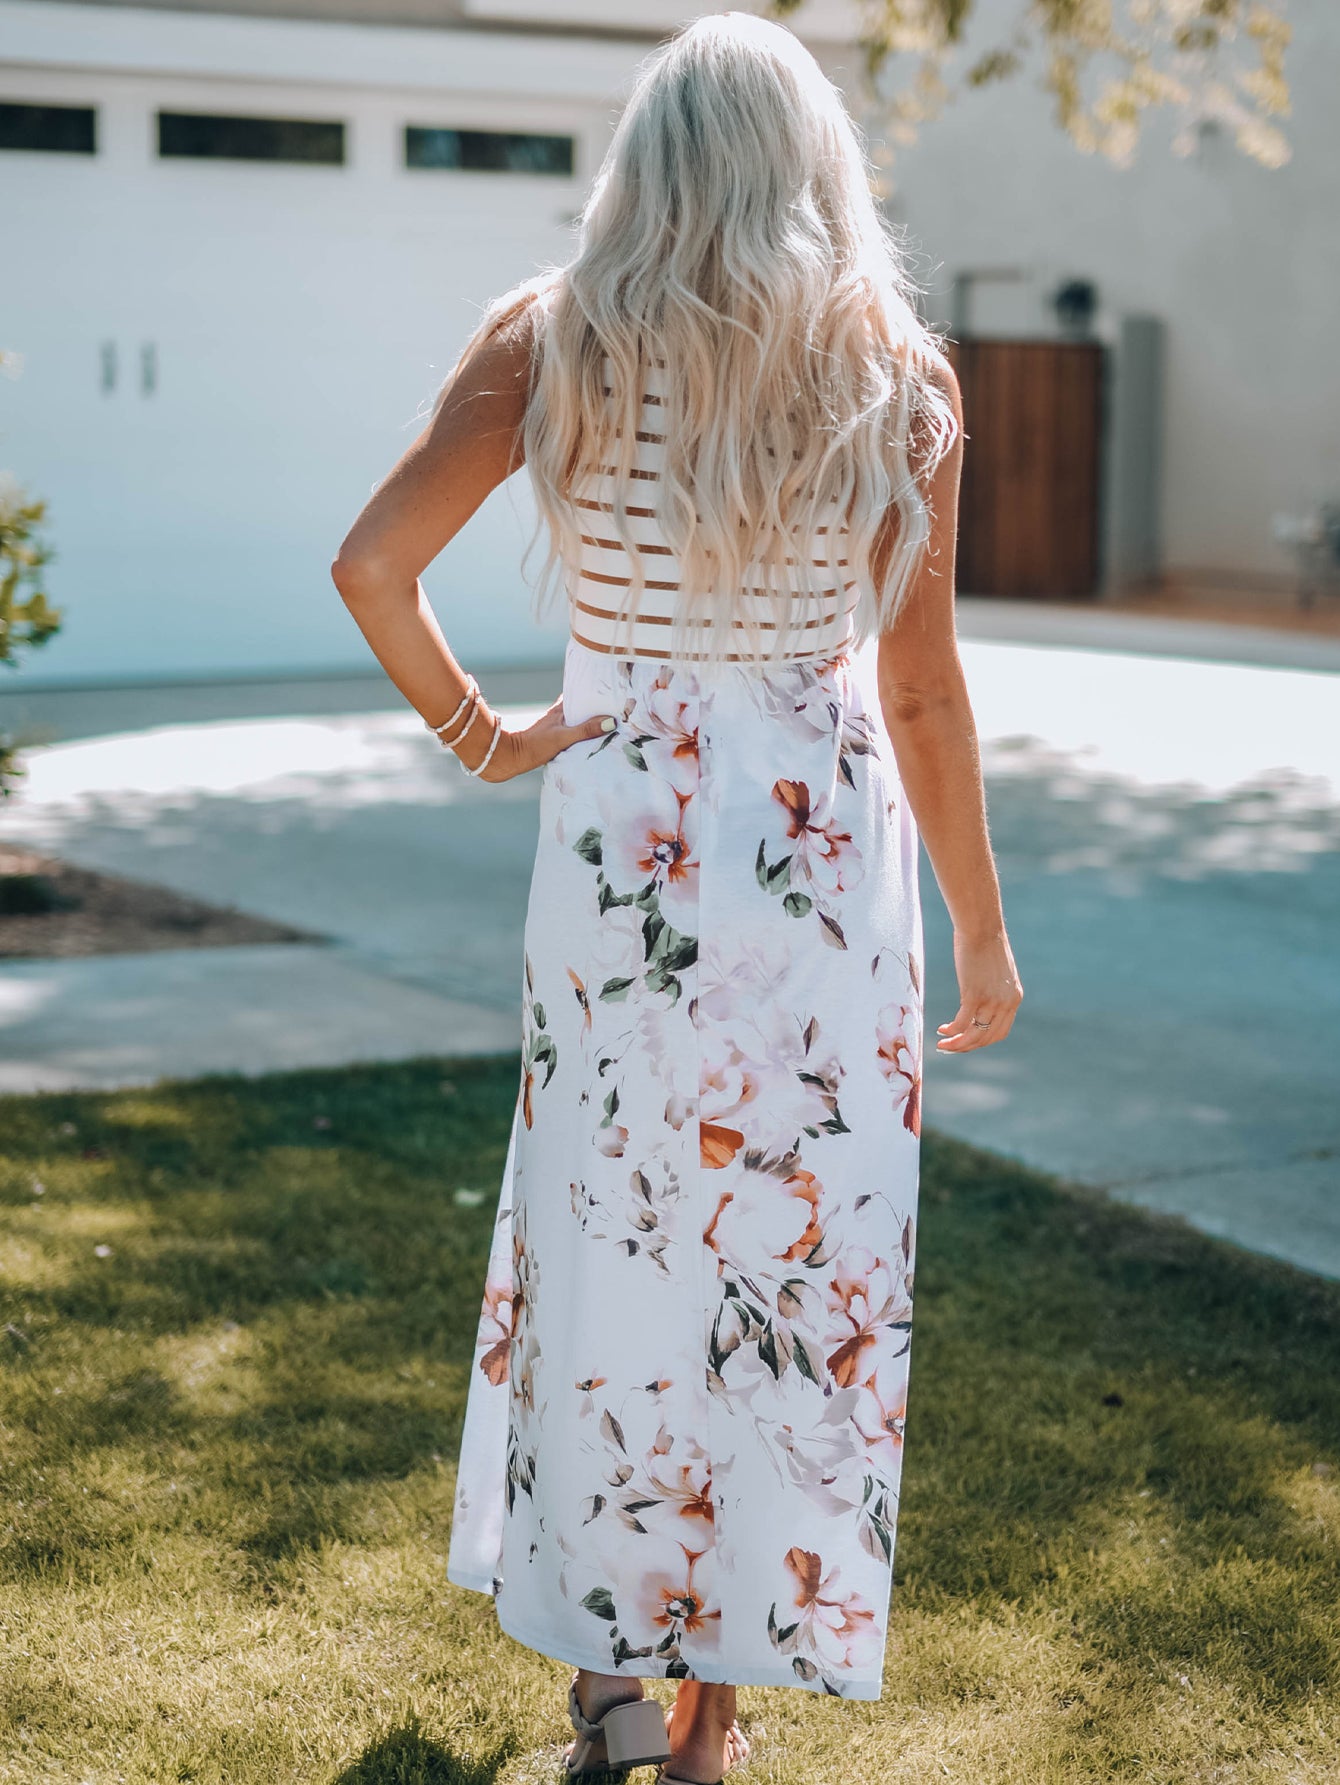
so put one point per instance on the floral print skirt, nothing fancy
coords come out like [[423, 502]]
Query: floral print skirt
[[684, 1432]]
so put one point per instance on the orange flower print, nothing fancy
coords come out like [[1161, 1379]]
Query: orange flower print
[[495, 1330], [684, 1488], [654, 844], [674, 1602], [868, 1297], [833, 1631], [881, 1411], [898, 1032], [770, 1212], [665, 734], [718, 1145], [825, 856]]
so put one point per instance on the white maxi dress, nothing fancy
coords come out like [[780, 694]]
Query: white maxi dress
[[684, 1432]]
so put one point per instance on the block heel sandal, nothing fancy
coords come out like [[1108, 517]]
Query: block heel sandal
[[633, 1735]]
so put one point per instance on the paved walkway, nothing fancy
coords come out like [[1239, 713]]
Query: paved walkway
[[1169, 838]]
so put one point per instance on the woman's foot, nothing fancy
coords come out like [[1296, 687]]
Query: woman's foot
[[597, 1693], [705, 1740]]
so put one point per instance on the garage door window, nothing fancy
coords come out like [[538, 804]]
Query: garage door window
[[488, 151], [55, 129], [198, 136]]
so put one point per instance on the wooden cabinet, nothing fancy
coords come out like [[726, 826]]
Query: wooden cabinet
[[1029, 514]]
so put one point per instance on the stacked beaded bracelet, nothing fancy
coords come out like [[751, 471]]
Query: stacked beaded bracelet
[[473, 700], [493, 745], [469, 699]]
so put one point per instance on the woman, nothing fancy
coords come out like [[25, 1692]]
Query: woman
[[684, 1434]]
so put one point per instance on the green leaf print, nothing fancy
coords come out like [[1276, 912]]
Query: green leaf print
[[588, 846], [678, 951], [624, 1651], [614, 991], [606, 897], [797, 904], [804, 1363], [600, 1601]]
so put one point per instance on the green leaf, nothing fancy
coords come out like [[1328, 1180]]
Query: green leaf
[[600, 1601], [804, 1363], [678, 952], [588, 846], [654, 927], [614, 991], [797, 905]]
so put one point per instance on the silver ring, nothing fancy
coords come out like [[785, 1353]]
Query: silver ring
[[977, 1022]]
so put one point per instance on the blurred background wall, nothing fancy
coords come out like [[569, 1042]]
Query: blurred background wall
[[243, 249]]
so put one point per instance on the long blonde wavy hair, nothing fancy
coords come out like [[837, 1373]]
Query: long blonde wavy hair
[[732, 237]]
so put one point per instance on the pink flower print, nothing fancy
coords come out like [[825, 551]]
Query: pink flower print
[[686, 1488], [666, 736], [673, 1601], [834, 1630], [881, 1411], [866, 1296], [611, 1141], [678, 1110], [495, 1330], [655, 845], [824, 856], [728, 1081], [772, 1212], [898, 1032]]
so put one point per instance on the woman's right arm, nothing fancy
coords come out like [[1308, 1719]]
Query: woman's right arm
[[924, 700]]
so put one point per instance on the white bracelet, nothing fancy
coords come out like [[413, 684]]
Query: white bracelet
[[471, 691], [493, 745], [476, 709]]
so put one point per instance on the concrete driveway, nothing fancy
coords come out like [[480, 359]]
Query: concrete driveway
[[1168, 832]]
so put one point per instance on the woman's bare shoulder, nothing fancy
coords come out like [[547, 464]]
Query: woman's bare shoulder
[[500, 358]]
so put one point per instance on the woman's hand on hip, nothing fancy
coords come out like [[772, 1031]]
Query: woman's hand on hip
[[989, 994], [519, 752]]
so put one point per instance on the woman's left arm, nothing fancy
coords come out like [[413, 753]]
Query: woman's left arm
[[471, 445]]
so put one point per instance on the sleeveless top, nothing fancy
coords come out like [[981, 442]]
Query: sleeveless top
[[598, 583]]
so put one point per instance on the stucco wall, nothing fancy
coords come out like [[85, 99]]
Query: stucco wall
[[1242, 264]]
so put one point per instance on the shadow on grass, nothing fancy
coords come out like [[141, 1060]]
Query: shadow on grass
[[406, 1756]]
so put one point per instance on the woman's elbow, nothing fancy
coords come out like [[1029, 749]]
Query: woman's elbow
[[909, 702], [356, 575]]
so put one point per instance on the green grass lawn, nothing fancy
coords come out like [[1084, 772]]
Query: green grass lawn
[[240, 1319]]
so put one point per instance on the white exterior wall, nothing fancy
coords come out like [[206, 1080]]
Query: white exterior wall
[[301, 315], [1242, 264]]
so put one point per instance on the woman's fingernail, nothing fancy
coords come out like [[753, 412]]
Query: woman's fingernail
[[607, 723]]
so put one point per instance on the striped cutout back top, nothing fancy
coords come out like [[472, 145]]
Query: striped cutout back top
[[599, 583]]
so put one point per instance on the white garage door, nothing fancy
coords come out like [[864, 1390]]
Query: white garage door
[[221, 357]]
